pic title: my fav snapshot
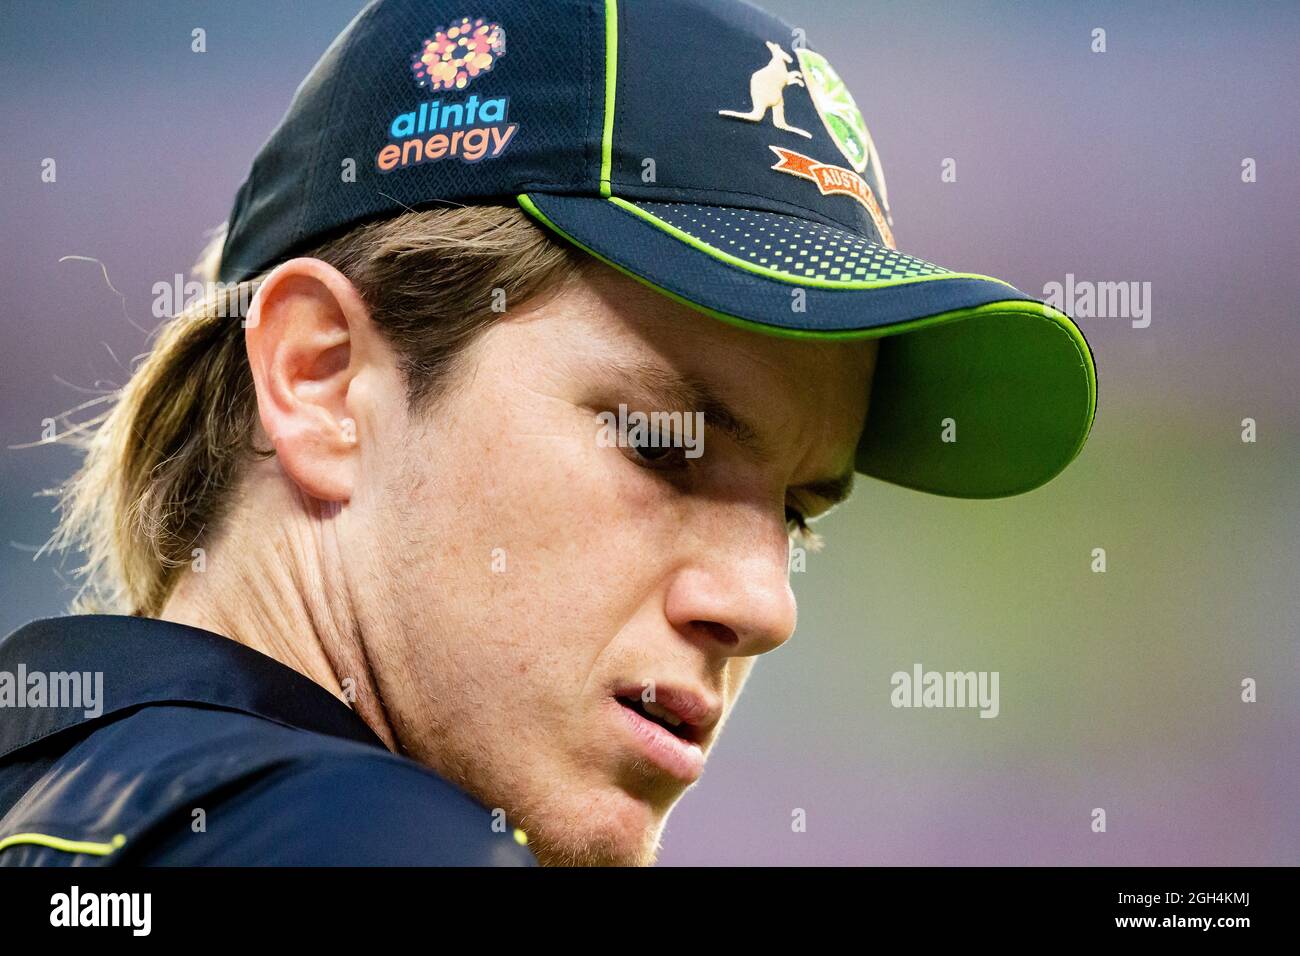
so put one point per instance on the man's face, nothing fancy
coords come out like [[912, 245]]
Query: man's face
[[539, 606]]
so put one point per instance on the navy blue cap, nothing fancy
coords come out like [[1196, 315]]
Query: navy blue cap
[[705, 149]]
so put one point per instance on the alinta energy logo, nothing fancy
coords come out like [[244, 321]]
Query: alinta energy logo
[[466, 129]]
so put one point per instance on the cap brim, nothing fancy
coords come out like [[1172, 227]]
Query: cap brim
[[980, 391]]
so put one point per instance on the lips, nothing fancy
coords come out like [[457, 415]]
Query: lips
[[688, 714], [671, 730]]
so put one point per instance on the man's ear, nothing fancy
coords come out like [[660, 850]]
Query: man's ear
[[307, 335]]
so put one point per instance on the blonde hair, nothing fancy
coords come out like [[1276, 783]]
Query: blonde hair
[[160, 464]]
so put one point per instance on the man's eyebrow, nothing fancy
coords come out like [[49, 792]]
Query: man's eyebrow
[[674, 391]]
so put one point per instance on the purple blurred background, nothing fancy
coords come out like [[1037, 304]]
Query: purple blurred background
[[1118, 690]]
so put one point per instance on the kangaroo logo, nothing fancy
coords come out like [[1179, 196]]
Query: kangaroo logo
[[767, 92]]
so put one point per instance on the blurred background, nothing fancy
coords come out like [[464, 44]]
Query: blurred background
[[1119, 690]]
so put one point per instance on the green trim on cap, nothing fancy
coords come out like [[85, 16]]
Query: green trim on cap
[[910, 325], [769, 273], [66, 846], [611, 79], [1023, 306], [937, 371]]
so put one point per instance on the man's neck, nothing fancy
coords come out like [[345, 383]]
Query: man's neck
[[265, 583]]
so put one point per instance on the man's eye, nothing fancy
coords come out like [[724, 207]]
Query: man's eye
[[658, 456]]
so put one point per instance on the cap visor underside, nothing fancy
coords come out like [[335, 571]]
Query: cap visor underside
[[988, 393]]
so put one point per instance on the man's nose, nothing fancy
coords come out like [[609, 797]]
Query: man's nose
[[737, 595]]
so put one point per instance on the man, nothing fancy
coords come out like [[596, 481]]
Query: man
[[460, 548]]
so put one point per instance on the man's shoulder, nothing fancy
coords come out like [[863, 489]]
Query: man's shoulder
[[179, 784], [133, 740]]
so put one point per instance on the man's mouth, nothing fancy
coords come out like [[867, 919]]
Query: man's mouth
[[669, 730], [657, 713]]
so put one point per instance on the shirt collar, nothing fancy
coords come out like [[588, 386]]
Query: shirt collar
[[146, 661]]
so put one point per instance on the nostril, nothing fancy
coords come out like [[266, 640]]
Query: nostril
[[717, 632]]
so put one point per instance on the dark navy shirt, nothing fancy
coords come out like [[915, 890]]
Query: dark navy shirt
[[199, 751]]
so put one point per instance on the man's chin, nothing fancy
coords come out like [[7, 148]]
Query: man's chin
[[594, 853], [614, 829]]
